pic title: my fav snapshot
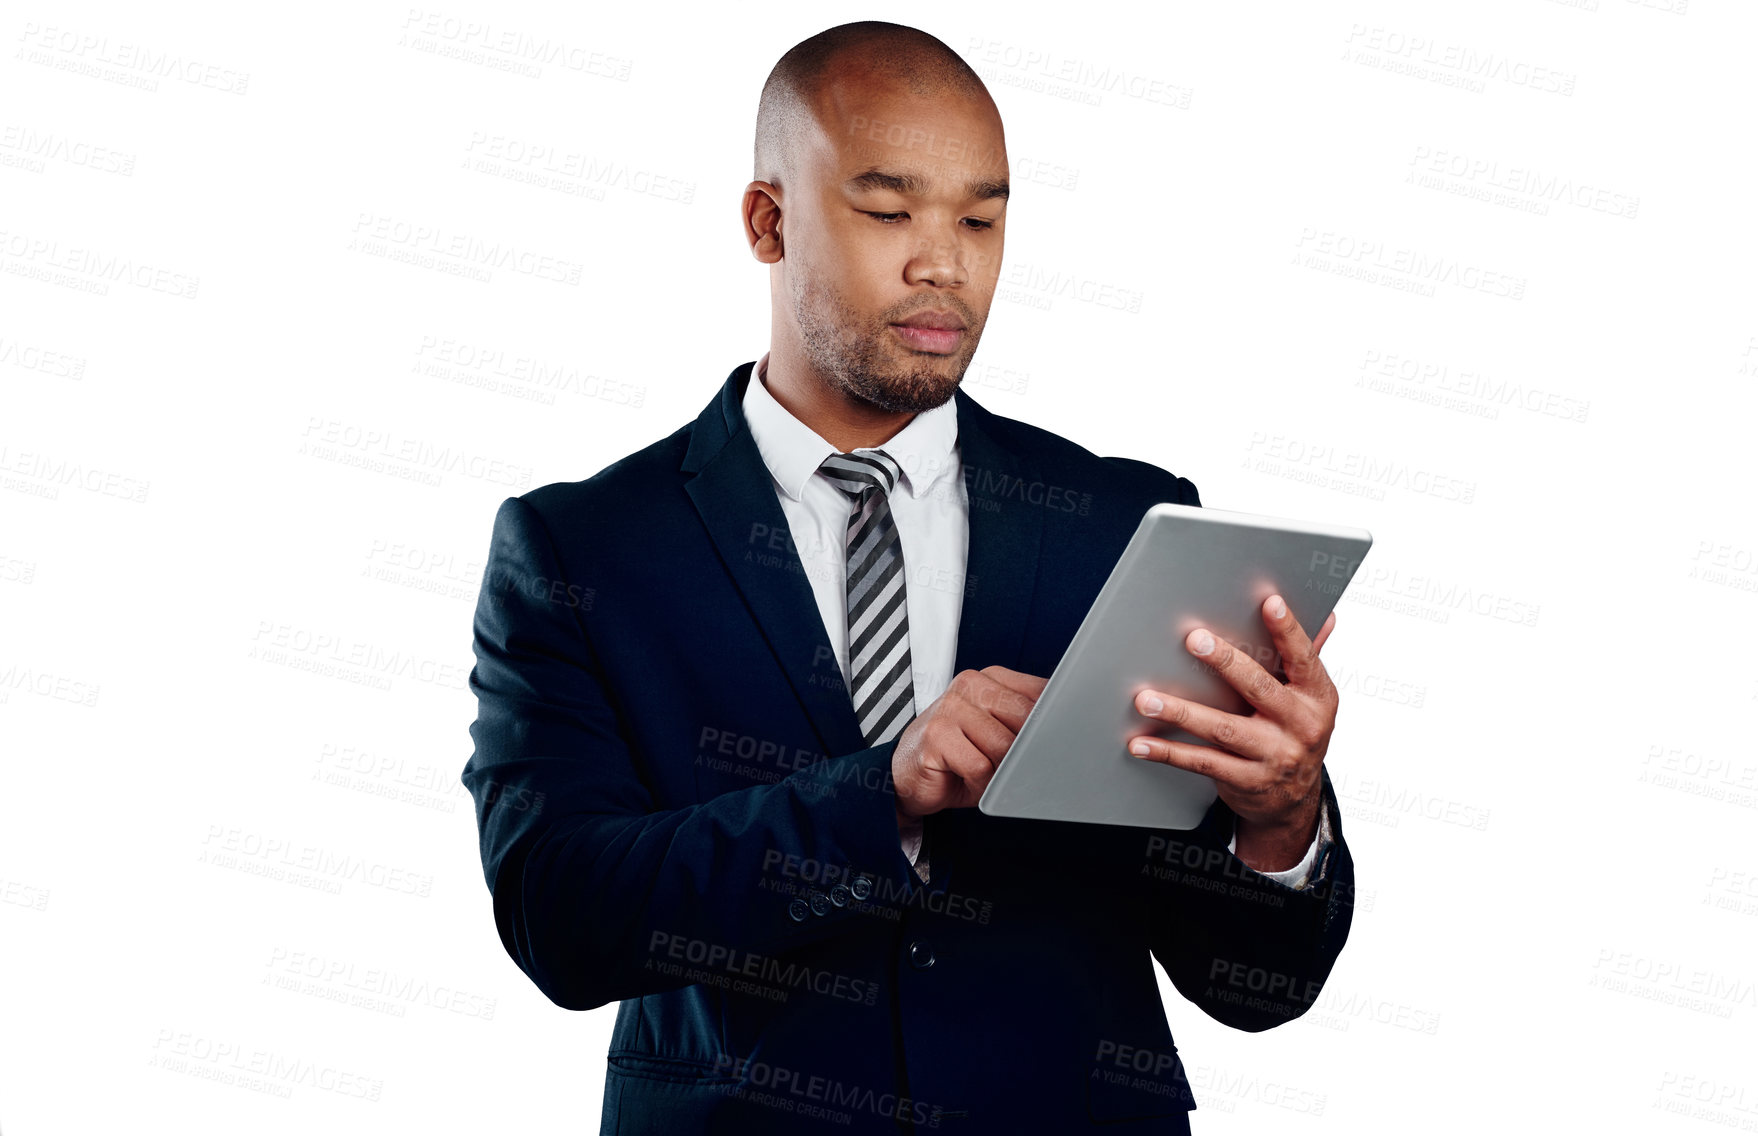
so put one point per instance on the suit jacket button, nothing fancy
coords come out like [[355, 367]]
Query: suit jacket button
[[862, 887], [921, 955], [819, 904], [839, 895], [798, 910]]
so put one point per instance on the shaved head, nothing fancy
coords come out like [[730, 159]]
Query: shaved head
[[908, 57]]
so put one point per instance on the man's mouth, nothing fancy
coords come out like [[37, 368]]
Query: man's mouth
[[936, 332]]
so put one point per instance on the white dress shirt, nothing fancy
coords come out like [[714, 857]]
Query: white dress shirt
[[932, 515]]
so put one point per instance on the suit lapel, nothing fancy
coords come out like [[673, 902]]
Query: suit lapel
[[734, 494]]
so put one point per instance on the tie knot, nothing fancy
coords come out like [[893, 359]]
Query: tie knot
[[855, 473]]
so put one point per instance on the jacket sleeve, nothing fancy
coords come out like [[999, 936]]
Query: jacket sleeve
[[1251, 952], [598, 894]]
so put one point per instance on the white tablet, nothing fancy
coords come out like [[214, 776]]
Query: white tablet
[[1185, 567]]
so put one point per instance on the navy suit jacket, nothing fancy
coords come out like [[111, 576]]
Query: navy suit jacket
[[678, 812]]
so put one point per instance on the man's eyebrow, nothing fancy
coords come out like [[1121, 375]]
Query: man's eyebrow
[[913, 186], [986, 189]]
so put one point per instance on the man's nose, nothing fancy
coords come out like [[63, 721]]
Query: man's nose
[[939, 260]]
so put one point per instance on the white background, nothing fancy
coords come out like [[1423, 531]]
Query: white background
[[246, 438]]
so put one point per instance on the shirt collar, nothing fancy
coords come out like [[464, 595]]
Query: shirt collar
[[793, 451]]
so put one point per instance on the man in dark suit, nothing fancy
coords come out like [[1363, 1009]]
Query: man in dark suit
[[739, 691]]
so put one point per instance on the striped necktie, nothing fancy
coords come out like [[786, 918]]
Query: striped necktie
[[882, 683]]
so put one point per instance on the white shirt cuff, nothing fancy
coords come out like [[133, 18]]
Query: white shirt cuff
[[1295, 877]]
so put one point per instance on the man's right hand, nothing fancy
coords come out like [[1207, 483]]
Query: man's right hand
[[947, 754]]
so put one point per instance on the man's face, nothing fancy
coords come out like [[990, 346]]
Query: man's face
[[892, 234]]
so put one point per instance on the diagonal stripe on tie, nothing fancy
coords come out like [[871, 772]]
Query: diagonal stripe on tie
[[869, 650], [866, 545], [866, 582], [877, 611], [890, 693]]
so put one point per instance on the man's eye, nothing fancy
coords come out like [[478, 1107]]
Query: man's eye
[[976, 223]]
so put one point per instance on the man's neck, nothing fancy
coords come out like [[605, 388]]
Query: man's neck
[[840, 419]]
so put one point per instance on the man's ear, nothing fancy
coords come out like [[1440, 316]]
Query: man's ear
[[761, 212]]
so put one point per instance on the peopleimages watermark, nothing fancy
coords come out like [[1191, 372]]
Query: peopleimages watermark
[[747, 972], [456, 253], [41, 475], [1064, 76], [48, 684], [1035, 286], [1708, 1098], [1360, 474], [84, 269], [987, 489], [1338, 1011], [1143, 1069], [1433, 598], [1672, 982], [518, 375], [394, 779], [1467, 391], [228, 1061], [21, 894], [42, 360], [408, 458], [1386, 802], [1719, 562], [504, 48], [419, 569], [1728, 780], [307, 864], [1732, 890], [24, 148], [122, 62], [378, 989], [573, 173], [756, 752], [353, 660], [1520, 187], [1373, 262], [793, 874], [1422, 57], [810, 1094], [1253, 987]]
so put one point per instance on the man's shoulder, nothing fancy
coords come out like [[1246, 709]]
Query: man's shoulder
[[626, 489], [1067, 462]]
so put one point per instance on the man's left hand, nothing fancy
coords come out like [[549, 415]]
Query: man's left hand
[[1266, 765]]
